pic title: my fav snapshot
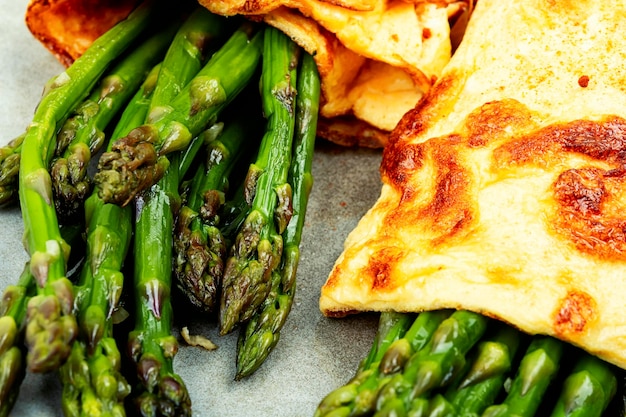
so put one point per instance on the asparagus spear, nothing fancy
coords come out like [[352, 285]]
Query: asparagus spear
[[50, 313], [93, 367], [139, 160], [82, 135], [258, 246], [12, 355], [13, 306], [536, 370], [199, 246], [260, 335], [10, 155], [151, 344], [392, 348], [92, 379], [391, 327], [437, 364], [588, 389]]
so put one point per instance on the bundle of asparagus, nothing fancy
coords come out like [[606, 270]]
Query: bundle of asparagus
[[444, 363], [171, 105]]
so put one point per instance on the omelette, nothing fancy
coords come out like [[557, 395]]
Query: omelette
[[504, 189]]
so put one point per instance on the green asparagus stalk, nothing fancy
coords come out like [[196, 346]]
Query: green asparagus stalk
[[82, 135], [392, 348], [139, 160], [260, 335], [195, 41], [258, 247], [537, 369], [92, 372], [92, 380], [588, 390], [436, 365], [12, 355], [51, 325], [391, 327], [485, 379], [152, 346], [199, 247], [13, 306], [10, 155]]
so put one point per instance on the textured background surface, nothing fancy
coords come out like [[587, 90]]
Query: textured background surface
[[314, 355]]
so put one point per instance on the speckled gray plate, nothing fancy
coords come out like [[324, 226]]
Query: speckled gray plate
[[315, 354]]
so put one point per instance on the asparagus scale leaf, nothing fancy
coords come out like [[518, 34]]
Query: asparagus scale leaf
[[258, 247], [261, 333], [51, 325], [139, 160]]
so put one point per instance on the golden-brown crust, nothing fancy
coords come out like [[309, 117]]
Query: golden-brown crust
[[68, 27]]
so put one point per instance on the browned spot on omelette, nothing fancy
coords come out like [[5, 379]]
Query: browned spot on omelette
[[589, 215], [380, 267], [574, 312]]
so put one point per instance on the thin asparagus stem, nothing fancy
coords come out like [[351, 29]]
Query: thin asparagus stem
[[587, 390], [12, 354], [199, 247], [434, 366], [399, 337], [94, 362], [261, 334], [485, 379], [258, 247]]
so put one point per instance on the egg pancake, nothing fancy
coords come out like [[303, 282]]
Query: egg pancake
[[504, 189]]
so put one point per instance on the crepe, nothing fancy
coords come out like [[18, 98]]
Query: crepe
[[504, 189]]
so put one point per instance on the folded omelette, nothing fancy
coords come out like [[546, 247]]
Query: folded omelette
[[376, 58], [504, 189]]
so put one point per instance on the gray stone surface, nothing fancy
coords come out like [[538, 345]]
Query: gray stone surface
[[315, 354]]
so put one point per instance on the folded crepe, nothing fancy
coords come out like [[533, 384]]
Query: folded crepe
[[504, 190], [376, 57]]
